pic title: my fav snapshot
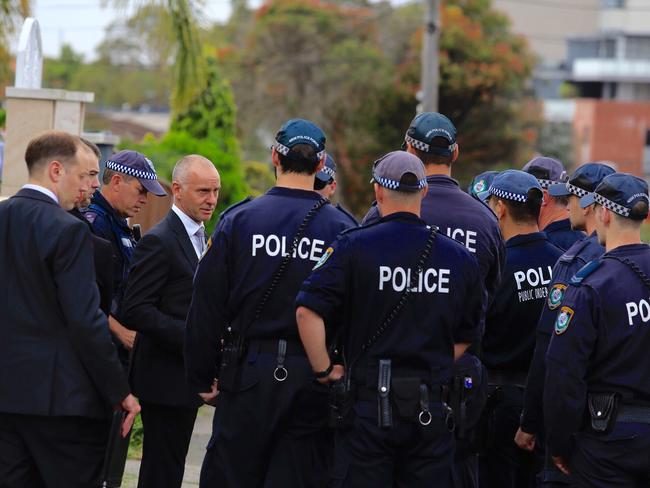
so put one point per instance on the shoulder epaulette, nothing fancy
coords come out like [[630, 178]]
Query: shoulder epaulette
[[585, 271], [235, 205], [352, 217]]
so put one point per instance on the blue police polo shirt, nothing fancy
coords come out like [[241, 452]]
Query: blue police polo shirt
[[562, 235], [363, 277], [600, 342], [465, 219], [246, 249], [568, 265], [511, 321]]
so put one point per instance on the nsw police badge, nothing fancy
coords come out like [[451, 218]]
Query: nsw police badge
[[326, 255], [479, 186], [556, 295], [562, 320]]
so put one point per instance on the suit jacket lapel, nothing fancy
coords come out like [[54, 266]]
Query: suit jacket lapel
[[184, 240]]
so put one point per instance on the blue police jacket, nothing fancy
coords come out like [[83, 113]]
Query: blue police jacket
[[600, 343], [106, 223], [511, 321], [247, 247], [562, 235], [465, 219], [570, 262], [362, 277]]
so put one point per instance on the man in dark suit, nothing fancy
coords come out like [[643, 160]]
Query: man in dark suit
[[156, 300], [59, 372]]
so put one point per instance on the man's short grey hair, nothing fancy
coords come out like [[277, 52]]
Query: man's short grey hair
[[182, 167]]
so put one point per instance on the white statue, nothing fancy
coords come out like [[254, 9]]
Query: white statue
[[29, 61]]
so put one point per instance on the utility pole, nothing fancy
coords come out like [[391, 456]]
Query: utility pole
[[430, 61]]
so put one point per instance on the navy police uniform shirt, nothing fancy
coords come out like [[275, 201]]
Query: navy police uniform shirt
[[106, 223], [363, 275], [568, 265], [465, 219], [246, 249], [600, 343], [511, 321], [562, 235]]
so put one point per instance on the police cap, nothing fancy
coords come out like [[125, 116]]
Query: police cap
[[624, 194], [329, 170], [399, 171], [427, 126], [300, 131], [139, 166], [582, 182], [481, 183], [513, 185], [547, 170]]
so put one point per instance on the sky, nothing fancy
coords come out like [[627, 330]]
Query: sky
[[81, 23]]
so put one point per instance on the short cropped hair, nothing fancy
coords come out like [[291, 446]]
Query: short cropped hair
[[108, 175], [49, 146], [525, 212], [92, 146], [302, 159], [431, 158]]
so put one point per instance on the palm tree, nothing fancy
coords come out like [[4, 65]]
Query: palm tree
[[189, 69]]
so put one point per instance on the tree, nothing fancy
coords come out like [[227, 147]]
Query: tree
[[12, 12]]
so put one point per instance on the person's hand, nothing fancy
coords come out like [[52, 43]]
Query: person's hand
[[211, 396], [132, 407], [124, 335], [336, 374], [524, 440], [562, 465]]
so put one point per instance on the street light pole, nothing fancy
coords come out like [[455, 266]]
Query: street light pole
[[430, 62]]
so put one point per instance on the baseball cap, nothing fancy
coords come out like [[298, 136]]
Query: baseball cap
[[481, 182], [427, 126], [621, 193], [300, 131], [546, 170], [582, 182], [329, 170], [512, 184], [393, 169], [139, 166]]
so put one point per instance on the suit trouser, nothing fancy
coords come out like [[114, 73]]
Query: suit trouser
[[51, 452], [166, 438], [620, 459], [505, 465], [270, 434], [407, 455]]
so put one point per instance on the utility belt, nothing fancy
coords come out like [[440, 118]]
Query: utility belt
[[506, 378], [408, 398], [606, 409], [235, 350]]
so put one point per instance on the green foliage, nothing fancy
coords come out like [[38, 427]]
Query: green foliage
[[135, 444], [3, 117], [259, 177]]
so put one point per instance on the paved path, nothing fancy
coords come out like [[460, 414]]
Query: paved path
[[200, 437]]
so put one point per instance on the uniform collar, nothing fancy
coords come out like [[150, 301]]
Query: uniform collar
[[404, 216], [625, 250], [525, 239], [564, 224], [294, 192], [442, 180]]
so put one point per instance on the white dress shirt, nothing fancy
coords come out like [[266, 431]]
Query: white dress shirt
[[42, 189], [192, 227]]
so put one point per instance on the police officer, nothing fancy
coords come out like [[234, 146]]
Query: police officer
[[597, 388], [481, 183], [325, 183], [553, 218], [581, 213], [411, 289], [127, 179], [432, 137], [262, 250], [509, 340]]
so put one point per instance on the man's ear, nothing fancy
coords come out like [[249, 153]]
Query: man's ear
[[379, 193], [545, 198], [455, 154], [55, 171], [275, 159]]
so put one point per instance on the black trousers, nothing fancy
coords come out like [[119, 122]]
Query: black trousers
[[407, 455], [51, 452], [166, 438], [270, 434]]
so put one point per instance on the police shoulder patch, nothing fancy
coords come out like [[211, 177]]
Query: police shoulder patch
[[585, 271], [323, 259], [563, 319], [556, 295]]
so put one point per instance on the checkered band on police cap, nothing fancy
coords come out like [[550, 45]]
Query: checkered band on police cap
[[284, 150], [137, 173], [395, 185], [423, 146], [545, 183], [576, 190], [613, 206], [328, 171], [507, 195]]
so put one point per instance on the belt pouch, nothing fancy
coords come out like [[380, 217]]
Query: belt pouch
[[603, 408], [230, 369], [385, 411], [341, 403], [406, 397]]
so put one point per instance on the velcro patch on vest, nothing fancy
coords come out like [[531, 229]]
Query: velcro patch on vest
[[323, 259], [556, 295], [563, 319]]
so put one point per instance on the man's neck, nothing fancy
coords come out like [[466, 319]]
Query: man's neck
[[552, 214], [617, 237], [513, 229], [590, 226], [437, 169], [45, 184], [296, 181], [109, 198]]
